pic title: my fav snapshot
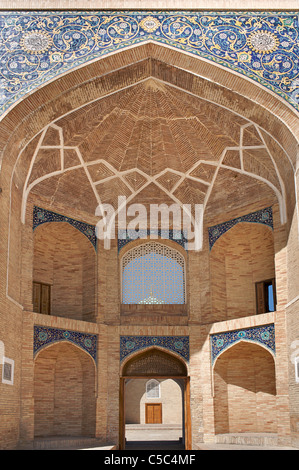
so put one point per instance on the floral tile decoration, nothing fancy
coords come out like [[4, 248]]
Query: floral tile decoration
[[44, 336], [263, 216], [126, 236], [177, 344], [38, 46], [42, 216], [262, 335]]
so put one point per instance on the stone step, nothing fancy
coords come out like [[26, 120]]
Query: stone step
[[65, 442], [254, 439], [153, 426]]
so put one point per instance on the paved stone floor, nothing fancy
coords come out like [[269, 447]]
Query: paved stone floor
[[165, 437], [149, 437]]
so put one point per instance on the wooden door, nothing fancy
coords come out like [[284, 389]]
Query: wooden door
[[153, 413], [45, 299], [36, 298], [41, 298]]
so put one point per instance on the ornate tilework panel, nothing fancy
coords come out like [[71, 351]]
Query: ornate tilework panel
[[43, 336], [41, 216], [263, 335], [177, 344], [127, 236], [263, 216], [36, 46]]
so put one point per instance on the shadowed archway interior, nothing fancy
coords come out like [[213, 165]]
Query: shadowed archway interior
[[159, 364]]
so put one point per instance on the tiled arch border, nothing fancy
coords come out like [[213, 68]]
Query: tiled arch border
[[42, 216], [183, 30], [127, 236], [261, 335], [174, 344], [263, 216], [46, 336]]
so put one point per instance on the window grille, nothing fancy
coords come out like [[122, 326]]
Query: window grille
[[8, 371], [152, 389], [153, 273]]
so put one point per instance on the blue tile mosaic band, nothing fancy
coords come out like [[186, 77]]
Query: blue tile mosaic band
[[262, 335], [127, 236], [38, 46], [42, 216], [43, 336], [177, 344], [263, 216]]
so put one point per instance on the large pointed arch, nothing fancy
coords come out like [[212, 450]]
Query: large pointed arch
[[155, 362], [148, 65]]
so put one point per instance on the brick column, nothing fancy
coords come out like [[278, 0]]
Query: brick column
[[102, 385], [197, 384], [108, 284], [27, 384], [208, 424], [27, 260], [281, 362]]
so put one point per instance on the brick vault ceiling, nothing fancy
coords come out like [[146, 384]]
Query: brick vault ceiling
[[154, 142]]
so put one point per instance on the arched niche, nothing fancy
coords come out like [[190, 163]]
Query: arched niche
[[154, 362], [245, 390], [64, 392], [49, 107], [239, 259], [65, 260]]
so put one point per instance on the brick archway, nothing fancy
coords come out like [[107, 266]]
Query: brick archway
[[245, 390], [158, 364], [64, 392]]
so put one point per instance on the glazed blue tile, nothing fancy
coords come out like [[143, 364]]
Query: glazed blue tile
[[127, 236], [44, 336], [177, 344], [263, 216], [262, 335], [39, 46], [42, 216]]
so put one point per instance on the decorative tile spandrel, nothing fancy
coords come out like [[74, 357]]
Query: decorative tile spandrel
[[44, 336], [264, 217], [176, 344], [42, 216], [261, 335]]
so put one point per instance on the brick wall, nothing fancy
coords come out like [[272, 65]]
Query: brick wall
[[66, 260], [239, 259], [245, 391], [64, 392], [170, 398]]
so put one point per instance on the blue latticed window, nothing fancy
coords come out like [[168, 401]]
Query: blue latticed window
[[153, 273]]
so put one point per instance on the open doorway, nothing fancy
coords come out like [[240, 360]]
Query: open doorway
[[154, 402], [154, 412]]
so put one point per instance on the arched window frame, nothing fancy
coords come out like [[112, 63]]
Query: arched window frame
[[168, 245], [153, 385]]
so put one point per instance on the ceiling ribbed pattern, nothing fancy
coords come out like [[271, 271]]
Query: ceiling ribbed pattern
[[153, 142]]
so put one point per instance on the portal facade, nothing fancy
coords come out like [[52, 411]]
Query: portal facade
[[87, 323]]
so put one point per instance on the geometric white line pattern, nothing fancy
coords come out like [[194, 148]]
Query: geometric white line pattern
[[240, 159]]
